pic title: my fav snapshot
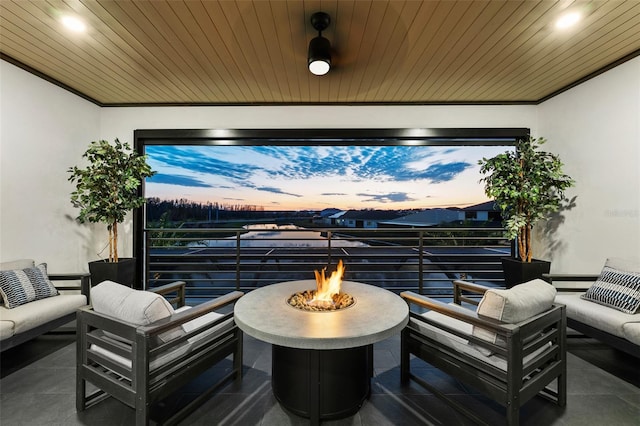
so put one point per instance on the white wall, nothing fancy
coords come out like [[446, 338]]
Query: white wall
[[43, 131], [121, 122], [595, 128]]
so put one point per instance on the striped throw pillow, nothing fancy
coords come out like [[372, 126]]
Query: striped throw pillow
[[20, 286], [617, 289]]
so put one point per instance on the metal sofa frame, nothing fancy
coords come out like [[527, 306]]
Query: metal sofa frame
[[511, 388], [55, 323], [139, 386]]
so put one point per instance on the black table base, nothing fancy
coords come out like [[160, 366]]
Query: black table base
[[322, 384]]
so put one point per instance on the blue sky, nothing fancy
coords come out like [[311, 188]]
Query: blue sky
[[317, 177]]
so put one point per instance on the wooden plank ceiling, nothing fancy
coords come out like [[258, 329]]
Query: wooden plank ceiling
[[255, 52]]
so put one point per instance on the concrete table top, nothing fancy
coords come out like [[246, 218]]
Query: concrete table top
[[376, 315]]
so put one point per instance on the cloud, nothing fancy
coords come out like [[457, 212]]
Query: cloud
[[276, 191], [178, 180], [333, 193], [439, 172], [361, 163], [392, 197], [249, 166], [201, 160]]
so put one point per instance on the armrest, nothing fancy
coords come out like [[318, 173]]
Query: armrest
[[459, 286], [177, 287], [84, 278], [457, 312], [550, 278]]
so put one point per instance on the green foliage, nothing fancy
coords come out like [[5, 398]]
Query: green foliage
[[527, 185], [107, 189]]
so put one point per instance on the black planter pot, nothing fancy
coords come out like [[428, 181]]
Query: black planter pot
[[122, 272], [518, 272]]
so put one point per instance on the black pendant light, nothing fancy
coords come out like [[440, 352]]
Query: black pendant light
[[319, 57]]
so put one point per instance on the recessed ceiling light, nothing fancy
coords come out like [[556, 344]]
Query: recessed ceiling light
[[568, 20], [73, 23]]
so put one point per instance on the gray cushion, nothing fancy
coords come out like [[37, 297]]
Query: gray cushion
[[598, 316], [17, 264], [514, 305], [6, 328], [180, 350], [461, 345], [33, 314], [632, 332], [623, 264], [20, 286], [129, 305], [136, 307], [617, 287]]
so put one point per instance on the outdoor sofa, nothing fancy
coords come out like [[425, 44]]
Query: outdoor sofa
[[608, 309], [32, 305]]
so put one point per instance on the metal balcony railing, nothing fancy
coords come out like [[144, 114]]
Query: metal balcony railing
[[216, 260]]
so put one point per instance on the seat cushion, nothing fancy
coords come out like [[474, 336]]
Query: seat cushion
[[203, 321], [6, 329], [462, 345], [598, 316], [631, 331], [38, 312], [157, 361], [180, 350]]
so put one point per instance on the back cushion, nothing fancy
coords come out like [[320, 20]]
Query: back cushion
[[632, 265], [20, 286], [17, 264], [517, 303], [129, 305], [514, 305], [618, 286], [136, 307]]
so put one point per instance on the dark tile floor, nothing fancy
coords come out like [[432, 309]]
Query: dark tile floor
[[37, 387]]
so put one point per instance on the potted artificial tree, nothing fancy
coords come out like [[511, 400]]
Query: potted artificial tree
[[106, 190], [527, 185]]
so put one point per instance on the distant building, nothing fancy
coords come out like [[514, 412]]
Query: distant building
[[484, 212], [366, 219], [430, 217], [329, 212], [333, 219], [372, 219]]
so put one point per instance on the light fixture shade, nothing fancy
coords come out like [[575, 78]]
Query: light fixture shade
[[319, 57]]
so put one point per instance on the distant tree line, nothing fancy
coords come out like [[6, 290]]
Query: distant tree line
[[183, 210]]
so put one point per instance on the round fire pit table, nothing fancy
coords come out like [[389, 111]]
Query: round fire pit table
[[322, 361]]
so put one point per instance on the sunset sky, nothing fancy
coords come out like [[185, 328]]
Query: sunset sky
[[318, 177]]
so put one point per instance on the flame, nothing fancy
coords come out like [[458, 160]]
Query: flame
[[327, 288]]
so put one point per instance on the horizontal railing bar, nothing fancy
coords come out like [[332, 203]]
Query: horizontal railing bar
[[272, 280], [413, 270], [334, 230], [293, 255], [211, 260]]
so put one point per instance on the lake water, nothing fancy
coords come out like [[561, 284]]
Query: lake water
[[273, 235]]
